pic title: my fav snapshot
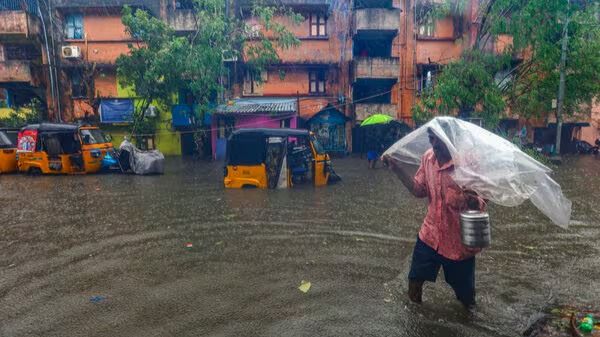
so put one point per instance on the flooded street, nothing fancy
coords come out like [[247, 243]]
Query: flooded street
[[106, 255]]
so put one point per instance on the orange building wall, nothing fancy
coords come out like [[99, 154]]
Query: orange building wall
[[444, 28], [441, 52], [312, 51], [101, 52], [294, 81], [106, 84], [327, 49], [104, 38], [104, 27], [311, 106]]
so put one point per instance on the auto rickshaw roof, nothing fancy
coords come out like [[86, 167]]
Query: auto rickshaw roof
[[271, 132], [52, 127]]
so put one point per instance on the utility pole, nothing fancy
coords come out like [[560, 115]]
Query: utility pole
[[561, 84]]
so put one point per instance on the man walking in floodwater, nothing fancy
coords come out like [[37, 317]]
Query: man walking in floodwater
[[439, 241]]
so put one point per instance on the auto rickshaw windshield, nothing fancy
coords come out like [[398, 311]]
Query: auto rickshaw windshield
[[93, 136], [318, 147], [5, 141]]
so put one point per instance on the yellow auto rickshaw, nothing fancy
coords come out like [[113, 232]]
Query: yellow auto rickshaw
[[8, 150], [275, 158], [61, 149]]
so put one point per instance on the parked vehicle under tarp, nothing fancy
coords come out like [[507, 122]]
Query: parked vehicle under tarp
[[139, 161]]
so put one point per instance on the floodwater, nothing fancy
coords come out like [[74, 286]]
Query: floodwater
[[106, 255]]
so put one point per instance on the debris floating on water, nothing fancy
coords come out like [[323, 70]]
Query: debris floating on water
[[97, 299], [304, 286], [189, 245]]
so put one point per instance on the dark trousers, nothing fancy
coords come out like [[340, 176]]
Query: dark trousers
[[460, 275]]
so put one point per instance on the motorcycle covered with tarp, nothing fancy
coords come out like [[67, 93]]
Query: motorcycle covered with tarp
[[139, 161], [488, 164]]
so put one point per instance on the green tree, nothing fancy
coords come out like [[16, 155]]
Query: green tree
[[162, 62], [525, 77]]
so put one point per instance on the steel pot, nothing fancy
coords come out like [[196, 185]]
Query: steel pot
[[475, 229]]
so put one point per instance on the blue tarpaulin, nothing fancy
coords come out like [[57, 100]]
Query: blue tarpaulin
[[116, 110], [182, 115]]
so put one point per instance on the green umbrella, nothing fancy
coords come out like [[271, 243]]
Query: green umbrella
[[376, 119]]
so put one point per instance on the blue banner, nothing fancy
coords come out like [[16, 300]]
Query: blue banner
[[116, 111], [182, 115]]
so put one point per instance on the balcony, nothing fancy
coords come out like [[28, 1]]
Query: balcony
[[15, 71], [359, 4], [364, 110], [376, 21], [182, 20], [297, 4], [18, 25], [153, 6], [377, 68], [311, 52]]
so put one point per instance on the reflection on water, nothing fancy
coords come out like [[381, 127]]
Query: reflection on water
[[67, 239]]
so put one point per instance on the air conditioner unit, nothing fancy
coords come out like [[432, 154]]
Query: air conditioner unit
[[71, 52], [151, 111], [229, 56]]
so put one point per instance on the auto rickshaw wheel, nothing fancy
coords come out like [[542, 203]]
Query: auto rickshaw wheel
[[34, 171]]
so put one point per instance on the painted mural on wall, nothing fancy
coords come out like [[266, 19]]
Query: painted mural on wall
[[329, 127]]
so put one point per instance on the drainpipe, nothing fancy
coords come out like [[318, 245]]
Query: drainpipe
[[52, 92], [59, 108]]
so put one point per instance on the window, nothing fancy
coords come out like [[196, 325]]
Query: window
[[426, 79], [316, 82], [252, 86], [74, 26], [427, 27], [78, 88], [93, 136], [318, 25]]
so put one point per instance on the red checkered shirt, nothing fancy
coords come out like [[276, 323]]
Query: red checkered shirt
[[441, 227]]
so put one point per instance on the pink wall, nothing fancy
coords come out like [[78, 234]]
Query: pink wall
[[253, 121]]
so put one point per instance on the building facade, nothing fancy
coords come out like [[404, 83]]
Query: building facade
[[355, 58], [23, 55]]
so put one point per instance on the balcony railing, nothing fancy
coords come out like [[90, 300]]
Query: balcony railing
[[377, 68], [153, 6], [291, 3], [15, 71], [182, 20], [312, 5], [364, 110], [377, 19]]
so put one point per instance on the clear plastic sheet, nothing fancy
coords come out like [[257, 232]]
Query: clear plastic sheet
[[488, 164]]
